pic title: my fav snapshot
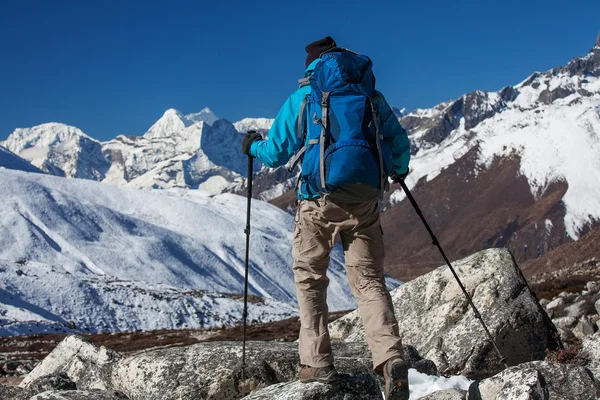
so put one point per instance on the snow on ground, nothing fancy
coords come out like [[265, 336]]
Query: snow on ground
[[181, 238], [42, 298], [421, 385]]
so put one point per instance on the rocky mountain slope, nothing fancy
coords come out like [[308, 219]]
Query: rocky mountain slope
[[518, 168]]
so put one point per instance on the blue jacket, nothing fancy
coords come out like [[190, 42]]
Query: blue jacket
[[283, 141]]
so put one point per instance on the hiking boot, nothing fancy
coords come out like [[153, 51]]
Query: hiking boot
[[395, 372], [313, 374]]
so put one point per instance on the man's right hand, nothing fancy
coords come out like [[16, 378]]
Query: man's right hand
[[399, 178], [250, 138]]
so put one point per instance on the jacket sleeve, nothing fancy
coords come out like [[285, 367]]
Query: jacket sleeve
[[283, 140], [395, 136]]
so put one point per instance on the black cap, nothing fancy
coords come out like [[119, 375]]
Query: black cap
[[315, 49]]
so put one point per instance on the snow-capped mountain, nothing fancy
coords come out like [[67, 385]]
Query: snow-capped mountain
[[518, 168], [205, 115], [400, 112], [69, 247], [59, 149], [188, 151]]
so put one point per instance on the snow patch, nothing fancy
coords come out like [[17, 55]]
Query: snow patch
[[421, 385]]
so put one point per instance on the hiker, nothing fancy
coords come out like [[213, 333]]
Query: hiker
[[348, 142]]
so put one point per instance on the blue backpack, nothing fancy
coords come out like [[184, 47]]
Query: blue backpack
[[344, 155]]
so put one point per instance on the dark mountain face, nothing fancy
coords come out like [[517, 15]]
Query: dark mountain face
[[469, 211]]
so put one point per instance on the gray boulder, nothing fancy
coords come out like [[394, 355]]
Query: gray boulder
[[79, 395], [434, 316], [88, 365], [590, 349], [448, 394], [539, 380], [360, 387], [511, 384], [565, 381]]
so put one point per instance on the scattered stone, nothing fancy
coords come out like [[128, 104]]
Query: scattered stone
[[544, 302], [361, 387], [435, 317], [583, 328], [79, 395], [597, 307], [592, 287], [10, 367], [557, 302], [22, 370], [448, 394], [564, 322], [566, 335], [579, 309]]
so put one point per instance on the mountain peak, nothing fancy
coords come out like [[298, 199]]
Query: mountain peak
[[205, 115], [172, 121], [44, 135], [173, 112], [598, 41]]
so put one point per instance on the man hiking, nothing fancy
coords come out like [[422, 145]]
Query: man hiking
[[349, 142]]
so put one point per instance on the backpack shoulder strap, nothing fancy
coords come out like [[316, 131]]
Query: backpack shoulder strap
[[300, 132]]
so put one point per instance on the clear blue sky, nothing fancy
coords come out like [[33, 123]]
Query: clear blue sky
[[111, 67]]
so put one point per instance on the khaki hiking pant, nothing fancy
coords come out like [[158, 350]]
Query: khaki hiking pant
[[317, 224]]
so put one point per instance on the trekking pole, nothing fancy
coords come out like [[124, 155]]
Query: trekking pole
[[247, 231], [462, 287]]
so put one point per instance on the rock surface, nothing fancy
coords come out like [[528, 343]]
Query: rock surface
[[513, 383], [209, 370], [434, 316], [90, 366], [79, 395], [60, 381], [448, 394], [564, 381], [590, 349], [13, 393], [361, 387], [539, 380]]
